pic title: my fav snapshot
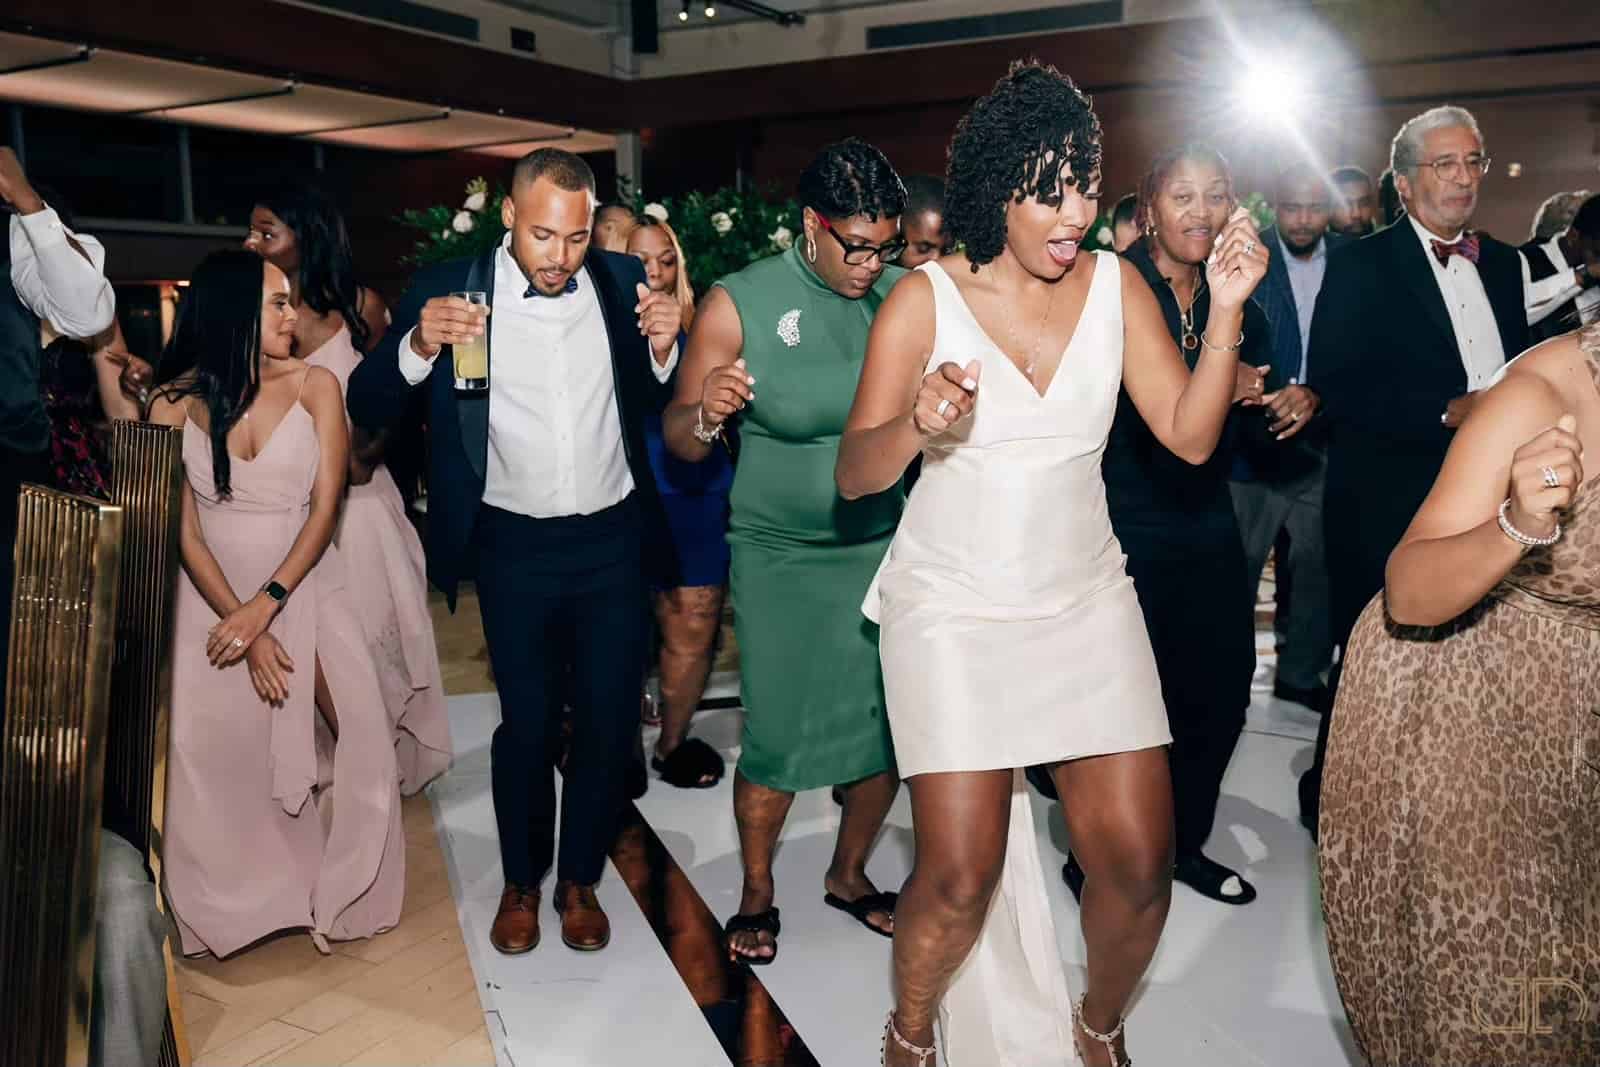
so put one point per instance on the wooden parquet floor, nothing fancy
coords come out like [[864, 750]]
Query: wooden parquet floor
[[406, 998]]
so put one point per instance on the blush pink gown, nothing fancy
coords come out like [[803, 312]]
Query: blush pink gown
[[255, 842], [386, 579]]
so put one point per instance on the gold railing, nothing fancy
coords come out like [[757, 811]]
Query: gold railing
[[146, 482], [52, 768]]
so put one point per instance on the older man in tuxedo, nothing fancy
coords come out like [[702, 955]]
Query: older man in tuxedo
[[540, 489], [1411, 324]]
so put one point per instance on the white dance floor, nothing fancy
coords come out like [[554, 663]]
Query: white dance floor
[[1230, 987]]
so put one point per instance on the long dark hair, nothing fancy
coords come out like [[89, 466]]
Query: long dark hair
[[327, 266], [218, 341]]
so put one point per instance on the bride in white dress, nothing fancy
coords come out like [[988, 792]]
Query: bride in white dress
[[1011, 634]]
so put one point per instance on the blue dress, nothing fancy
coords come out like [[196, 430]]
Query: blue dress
[[695, 496]]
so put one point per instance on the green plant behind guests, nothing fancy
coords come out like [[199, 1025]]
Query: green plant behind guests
[[726, 230], [721, 232]]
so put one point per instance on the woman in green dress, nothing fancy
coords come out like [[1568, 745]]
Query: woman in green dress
[[779, 345]]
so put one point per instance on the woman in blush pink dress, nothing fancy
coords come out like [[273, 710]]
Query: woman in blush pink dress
[[298, 229], [267, 650]]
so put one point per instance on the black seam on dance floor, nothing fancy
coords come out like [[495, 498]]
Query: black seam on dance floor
[[747, 1021]]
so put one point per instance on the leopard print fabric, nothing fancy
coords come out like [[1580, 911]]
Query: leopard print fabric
[[1460, 833]]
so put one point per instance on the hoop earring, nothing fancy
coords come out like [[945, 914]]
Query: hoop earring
[[811, 249]]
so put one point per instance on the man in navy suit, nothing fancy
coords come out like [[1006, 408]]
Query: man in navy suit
[[540, 490], [1277, 481], [1411, 325]]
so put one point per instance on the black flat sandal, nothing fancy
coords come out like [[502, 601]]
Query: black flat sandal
[[692, 765], [765, 922], [859, 908], [1210, 879]]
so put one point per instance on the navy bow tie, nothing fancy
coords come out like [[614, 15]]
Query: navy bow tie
[[570, 287]]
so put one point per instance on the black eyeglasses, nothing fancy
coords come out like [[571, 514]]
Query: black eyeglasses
[[858, 254]]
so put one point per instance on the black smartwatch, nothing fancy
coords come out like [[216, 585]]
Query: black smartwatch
[[277, 592]]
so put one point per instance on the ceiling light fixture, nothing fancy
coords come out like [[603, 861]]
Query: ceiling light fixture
[[766, 11], [683, 16], [711, 11]]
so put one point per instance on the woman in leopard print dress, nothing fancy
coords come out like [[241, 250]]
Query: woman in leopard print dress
[[1460, 835]]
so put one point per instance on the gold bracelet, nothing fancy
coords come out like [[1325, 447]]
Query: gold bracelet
[[1219, 348]]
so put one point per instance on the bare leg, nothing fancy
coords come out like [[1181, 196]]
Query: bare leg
[[760, 813], [1118, 812], [689, 618], [866, 804], [324, 699], [960, 822]]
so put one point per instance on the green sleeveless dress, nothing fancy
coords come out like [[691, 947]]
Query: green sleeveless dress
[[802, 555]]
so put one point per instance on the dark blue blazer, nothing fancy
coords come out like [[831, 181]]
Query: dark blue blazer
[[458, 425], [1276, 296]]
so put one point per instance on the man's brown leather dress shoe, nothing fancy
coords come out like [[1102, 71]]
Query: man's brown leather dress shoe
[[583, 925], [516, 924]]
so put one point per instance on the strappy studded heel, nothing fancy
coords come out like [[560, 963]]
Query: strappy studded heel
[[1108, 1040], [890, 1032]]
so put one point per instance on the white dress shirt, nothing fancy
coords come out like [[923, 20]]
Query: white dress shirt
[[1545, 297], [555, 437], [56, 283], [1471, 314], [1305, 281]]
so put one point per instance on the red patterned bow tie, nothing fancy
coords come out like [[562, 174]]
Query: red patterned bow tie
[[1466, 248]]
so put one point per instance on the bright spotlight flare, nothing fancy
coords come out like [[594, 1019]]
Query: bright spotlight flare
[[1272, 92]]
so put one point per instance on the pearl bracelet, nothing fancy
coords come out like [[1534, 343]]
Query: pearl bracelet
[[701, 434], [1525, 540]]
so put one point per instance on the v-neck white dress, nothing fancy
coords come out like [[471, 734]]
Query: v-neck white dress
[[1011, 635]]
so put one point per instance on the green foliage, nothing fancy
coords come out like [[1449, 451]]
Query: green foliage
[[442, 226], [721, 232], [726, 230]]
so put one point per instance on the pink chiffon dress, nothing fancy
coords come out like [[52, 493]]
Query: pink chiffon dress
[[262, 836]]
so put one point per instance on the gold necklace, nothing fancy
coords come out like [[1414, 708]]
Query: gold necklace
[[1038, 338]]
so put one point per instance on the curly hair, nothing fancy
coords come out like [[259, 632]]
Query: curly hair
[[1150, 185], [1034, 132], [852, 178]]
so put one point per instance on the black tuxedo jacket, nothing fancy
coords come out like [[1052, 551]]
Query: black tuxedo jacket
[[1384, 360], [458, 424]]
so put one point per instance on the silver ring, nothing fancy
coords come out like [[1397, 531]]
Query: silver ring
[[237, 643], [1552, 480], [944, 406], [1249, 246]]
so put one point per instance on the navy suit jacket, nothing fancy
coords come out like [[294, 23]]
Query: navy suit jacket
[[458, 424], [1275, 294]]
